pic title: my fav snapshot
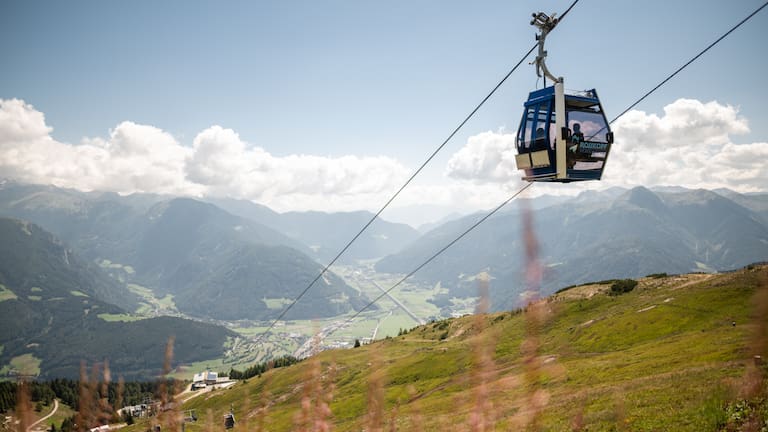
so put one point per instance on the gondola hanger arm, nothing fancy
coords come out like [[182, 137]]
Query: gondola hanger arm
[[545, 23]]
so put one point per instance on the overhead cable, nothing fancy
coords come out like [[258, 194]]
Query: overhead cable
[[407, 182], [690, 61], [439, 252], [525, 187]]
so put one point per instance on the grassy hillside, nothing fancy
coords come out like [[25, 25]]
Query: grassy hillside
[[669, 355]]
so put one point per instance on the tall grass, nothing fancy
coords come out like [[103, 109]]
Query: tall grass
[[23, 407], [415, 420], [750, 411], [482, 418], [169, 416], [535, 398], [317, 395], [755, 379], [375, 415]]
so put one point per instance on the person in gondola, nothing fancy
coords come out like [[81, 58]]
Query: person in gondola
[[577, 137]]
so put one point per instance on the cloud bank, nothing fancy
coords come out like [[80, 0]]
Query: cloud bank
[[689, 145], [142, 158]]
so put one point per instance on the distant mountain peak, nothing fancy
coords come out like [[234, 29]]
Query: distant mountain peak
[[706, 194], [184, 207], [644, 198]]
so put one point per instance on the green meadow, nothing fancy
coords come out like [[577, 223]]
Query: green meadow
[[675, 353]]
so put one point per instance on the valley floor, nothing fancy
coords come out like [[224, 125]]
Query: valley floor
[[403, 308]]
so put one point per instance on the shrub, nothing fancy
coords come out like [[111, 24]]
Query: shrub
[[623, 286]]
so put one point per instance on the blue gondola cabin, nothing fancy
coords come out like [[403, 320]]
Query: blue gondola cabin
[[563, 148]]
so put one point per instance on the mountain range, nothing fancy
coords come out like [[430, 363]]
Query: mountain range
[[327, 233], [214, 264], [596, 236], [69, 260], [233, 259]]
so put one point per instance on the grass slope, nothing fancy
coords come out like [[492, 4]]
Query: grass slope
[[666, 356]]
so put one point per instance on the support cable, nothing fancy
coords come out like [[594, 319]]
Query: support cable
[[689, 62], [407, 182], [529, 184], [423, 165], [438, 253]]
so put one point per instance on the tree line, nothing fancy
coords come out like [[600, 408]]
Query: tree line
[[68, 392], [260, 368]]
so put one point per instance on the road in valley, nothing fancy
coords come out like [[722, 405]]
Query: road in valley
[[315, 342], [398, 303]]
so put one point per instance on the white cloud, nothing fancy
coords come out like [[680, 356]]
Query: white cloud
[[21, 122], [229, 167], [142, 158], [488, 157], [690, 146], [135, 158]]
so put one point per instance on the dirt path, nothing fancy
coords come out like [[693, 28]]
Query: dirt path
[[696, 280], [188, 394], [53, 411]]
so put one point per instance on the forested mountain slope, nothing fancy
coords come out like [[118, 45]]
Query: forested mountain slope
[[54, 313]]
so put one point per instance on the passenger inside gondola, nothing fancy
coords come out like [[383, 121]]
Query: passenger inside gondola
[[577, 137]]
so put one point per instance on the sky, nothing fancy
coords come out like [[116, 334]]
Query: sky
[[332, 105]]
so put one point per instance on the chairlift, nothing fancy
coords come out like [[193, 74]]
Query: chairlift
[[190, 416], [229, 420], [563, 136]]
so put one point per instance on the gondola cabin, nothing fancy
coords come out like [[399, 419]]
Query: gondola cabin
[[563, 137], [229, 420]]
